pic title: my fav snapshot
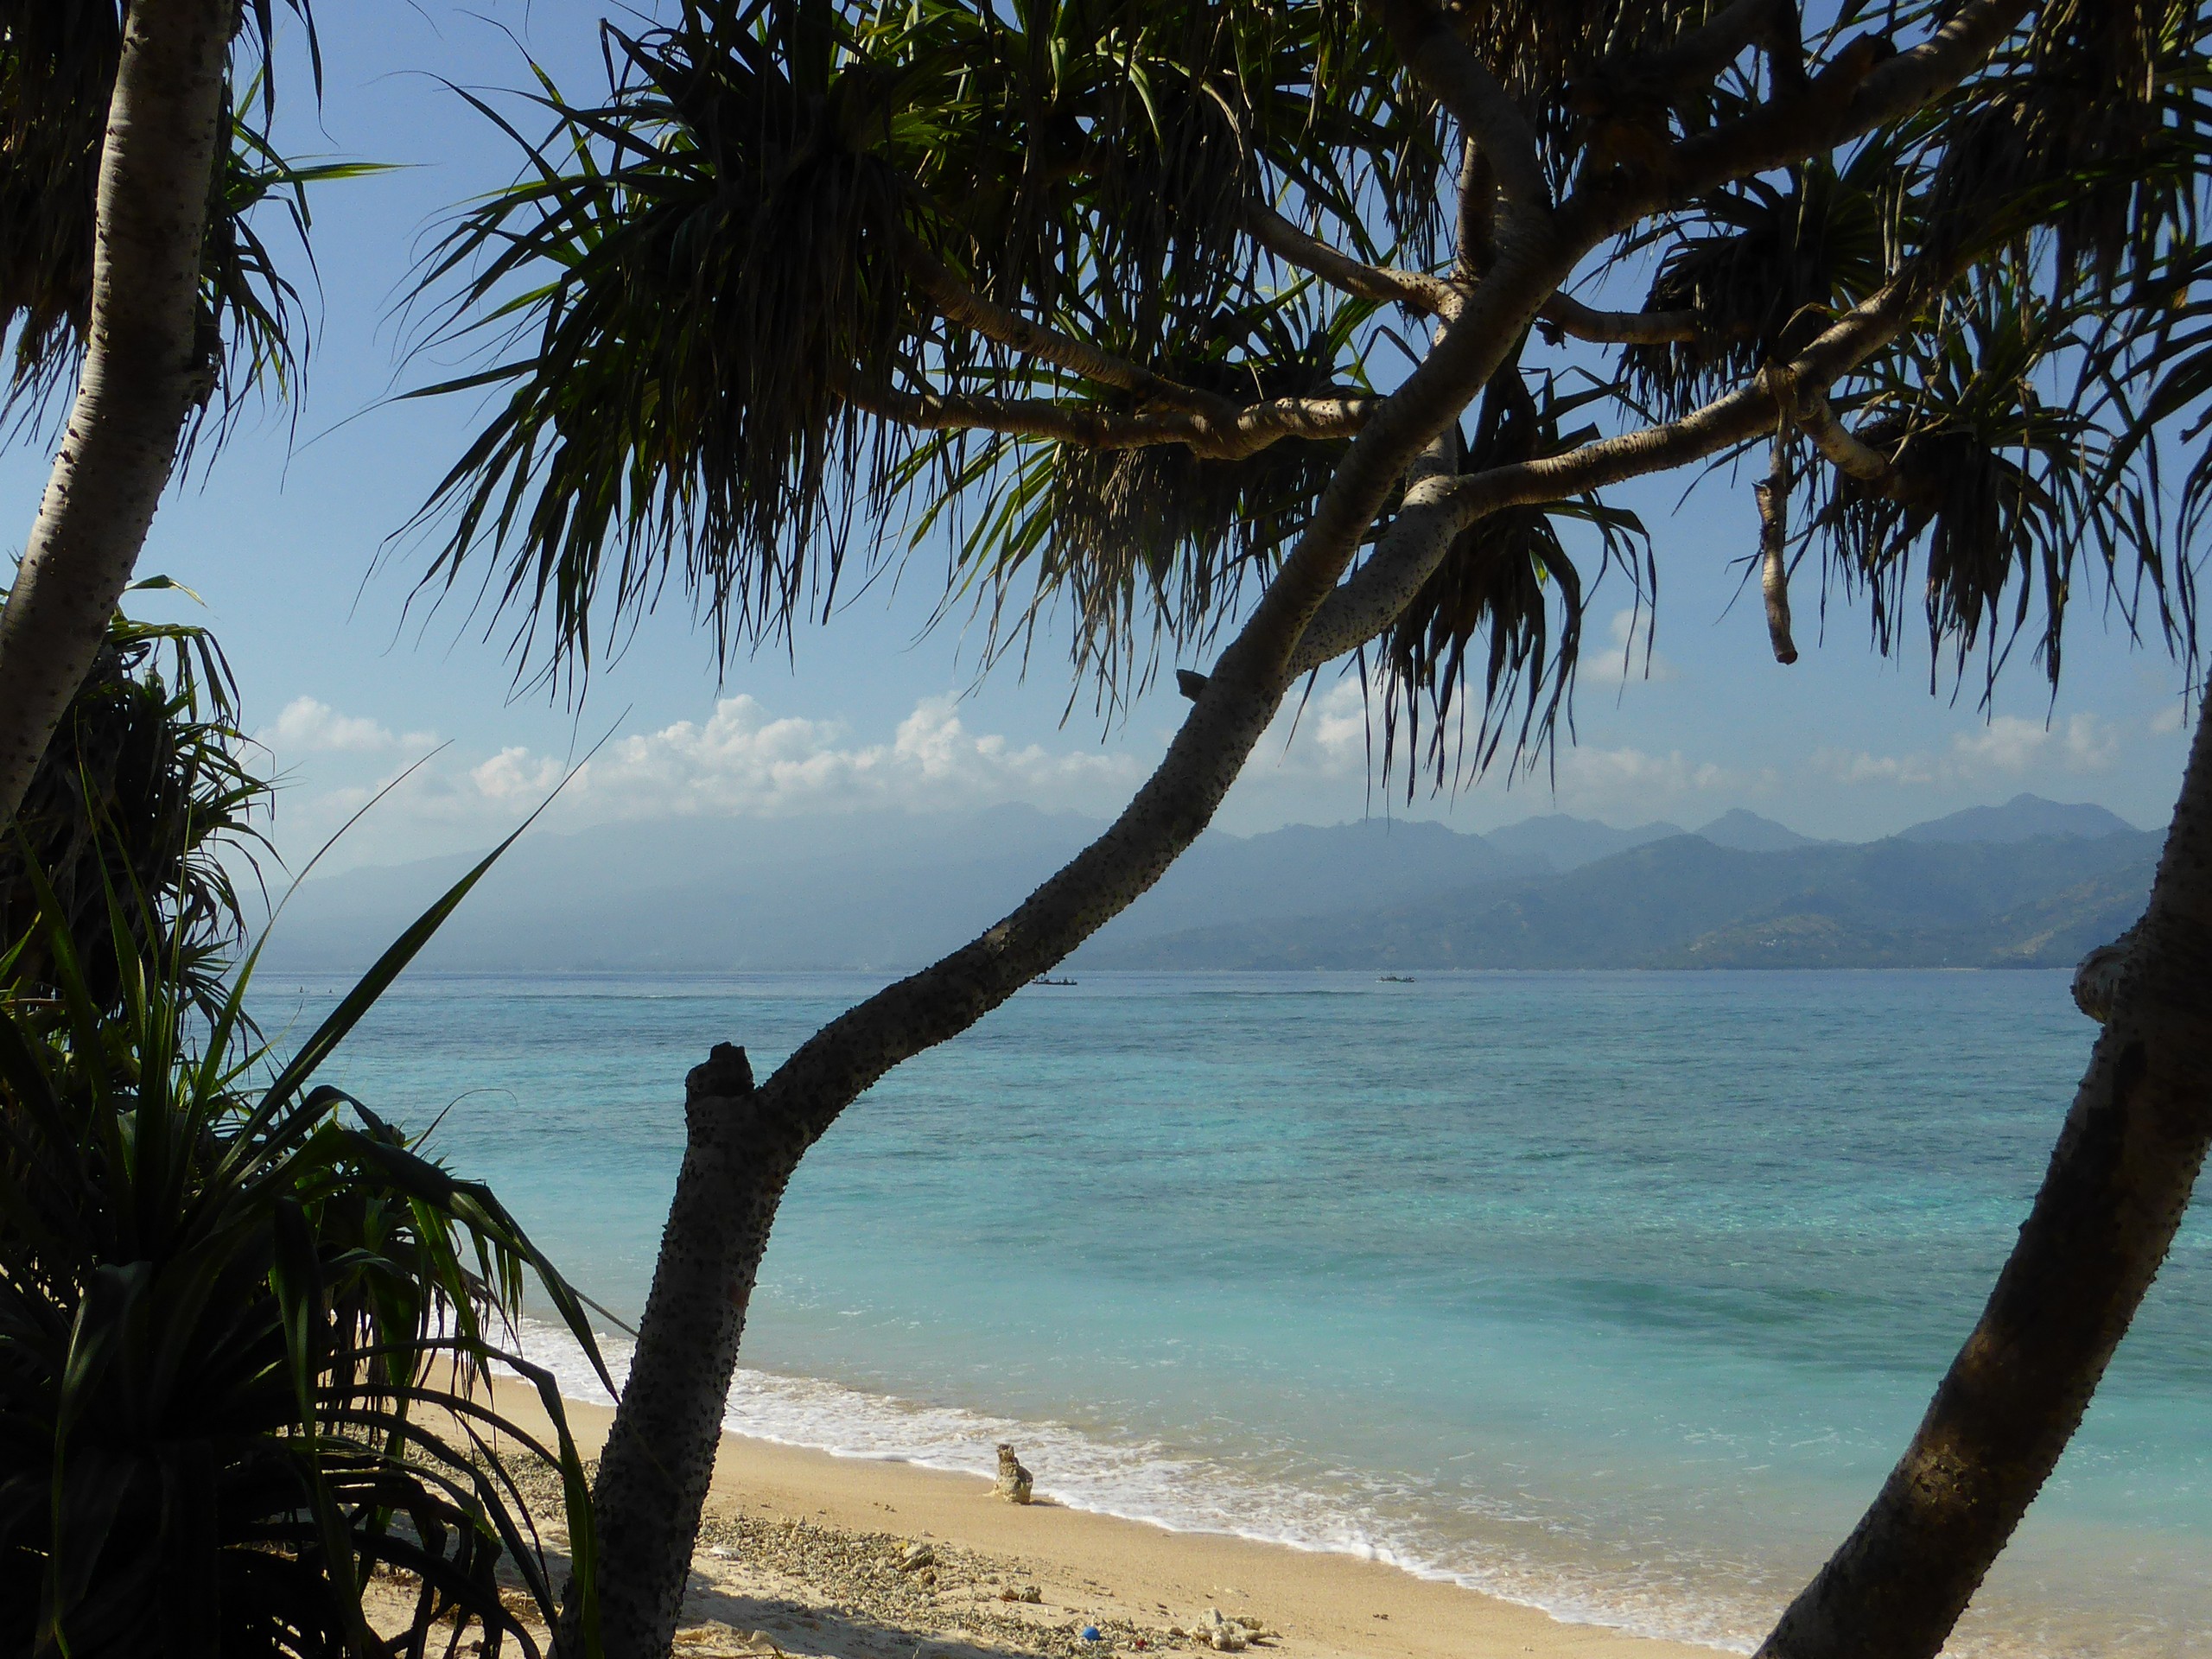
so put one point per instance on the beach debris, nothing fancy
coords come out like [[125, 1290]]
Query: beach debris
[[1013, 1482], [1225, 1634], [916, 1557], [1089, 1633], [1028, 1593]]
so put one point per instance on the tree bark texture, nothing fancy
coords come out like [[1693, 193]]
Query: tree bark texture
[[2119, 1180], [144, 369], [651, 1488]]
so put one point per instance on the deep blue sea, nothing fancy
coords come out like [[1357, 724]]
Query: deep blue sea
[[1617, 1294]]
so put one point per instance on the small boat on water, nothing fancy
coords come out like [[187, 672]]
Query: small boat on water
[[1393, 979], [1041, 980]]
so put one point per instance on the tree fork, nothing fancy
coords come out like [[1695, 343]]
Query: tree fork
[[2119, 1180], [144, 369]]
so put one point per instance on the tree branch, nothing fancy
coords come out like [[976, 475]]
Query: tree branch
[[1431, 295], [1911, 79], [958, 304], [1563, 315], [1375, 595], [1832, 439], [1772, 493], [1238, 433], [1476, 230], [142, 372], [1860, 89], [1695, 58], [1452, 74]]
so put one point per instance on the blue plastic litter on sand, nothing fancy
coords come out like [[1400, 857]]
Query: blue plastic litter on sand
[[1090, 1633]]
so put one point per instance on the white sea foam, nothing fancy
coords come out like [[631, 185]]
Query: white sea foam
[[1148, 1483]]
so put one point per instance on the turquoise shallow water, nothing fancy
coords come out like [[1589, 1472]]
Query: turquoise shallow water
[[1618, 1294]]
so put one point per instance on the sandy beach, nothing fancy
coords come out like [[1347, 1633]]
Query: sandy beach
[[802, 1550]]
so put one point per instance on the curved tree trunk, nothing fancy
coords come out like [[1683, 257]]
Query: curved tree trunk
[[652, 1477], [743, 1143], [649, 1497], [144, 370], [2118, 1182]]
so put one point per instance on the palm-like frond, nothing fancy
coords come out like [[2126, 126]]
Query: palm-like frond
[[142, 795], [243, 1342], [1148, 550], [57, 70], [725, 287], [1772, 264], [2091, 134], [1500, 582], [707, 291], [1999, 487], [716, 262], [58, 65]]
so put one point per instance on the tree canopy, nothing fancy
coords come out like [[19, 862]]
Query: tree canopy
[[1110, 291]]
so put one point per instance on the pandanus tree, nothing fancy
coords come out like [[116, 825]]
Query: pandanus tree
[[1283, 335], [134, 152], [145, 790]]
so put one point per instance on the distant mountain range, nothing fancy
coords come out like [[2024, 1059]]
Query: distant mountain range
[[1684, 902], [2033, 882]]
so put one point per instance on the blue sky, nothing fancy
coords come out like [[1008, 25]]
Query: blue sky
[[287, 537]]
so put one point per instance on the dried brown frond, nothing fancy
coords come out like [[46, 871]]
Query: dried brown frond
[[1533, 45]]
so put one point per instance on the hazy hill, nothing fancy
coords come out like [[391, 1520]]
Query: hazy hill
[[1560, 842], [1685, 902], [1747, 832], [886, 892], [2021, 818], [849, 891], [846, 892]]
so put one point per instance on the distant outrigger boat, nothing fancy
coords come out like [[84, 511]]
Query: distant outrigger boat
[[1393, 979], [1042, 979]]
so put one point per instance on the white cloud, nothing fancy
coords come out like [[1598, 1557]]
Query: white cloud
[[2091, 744], [1339, 737], [2011, 744], [311, 725], [744, 762], [2007, 747], [1636, 780], [1631, 636], [1864, 768], [1333, 734], [740, 762], [2169, 719]]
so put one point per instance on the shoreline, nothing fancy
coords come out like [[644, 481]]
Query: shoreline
[[800, 1549]]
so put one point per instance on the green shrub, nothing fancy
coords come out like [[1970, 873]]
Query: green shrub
[[244, 1329]]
